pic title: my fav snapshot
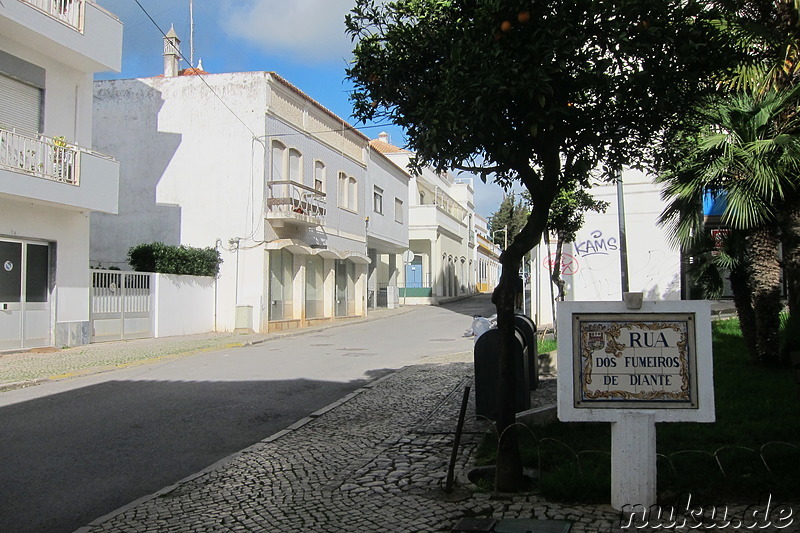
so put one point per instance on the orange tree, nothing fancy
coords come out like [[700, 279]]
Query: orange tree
[[529, 91]]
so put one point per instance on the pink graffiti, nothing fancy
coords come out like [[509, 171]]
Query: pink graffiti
[[568, 267]]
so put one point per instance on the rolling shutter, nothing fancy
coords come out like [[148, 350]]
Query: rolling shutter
[[20, 105]]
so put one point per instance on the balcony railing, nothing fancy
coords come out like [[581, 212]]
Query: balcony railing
[[70, 12], [40, 156], [290, 200]]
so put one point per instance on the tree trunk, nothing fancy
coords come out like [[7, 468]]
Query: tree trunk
[[508, 472], [555, 272], [765, 282], [743, 300], [791, 267]]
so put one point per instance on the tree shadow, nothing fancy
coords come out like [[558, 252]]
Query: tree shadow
[[75, 456]]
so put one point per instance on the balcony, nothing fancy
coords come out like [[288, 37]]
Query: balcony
[[292, 203], [77, 33], [69, 12], [53, 171], [51, 159]]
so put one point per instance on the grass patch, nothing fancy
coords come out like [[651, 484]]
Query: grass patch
[[546, 345], [752, 448]]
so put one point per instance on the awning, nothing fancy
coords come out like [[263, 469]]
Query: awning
[[291, 245]]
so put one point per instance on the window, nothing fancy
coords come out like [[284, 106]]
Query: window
[[22, 90], [278, 161], [352, 194], [377, 200], [398, 210], [315, 283], [342, 191], [345, 288], [281, 269], [295, 166], [319, 176], [348, 192]]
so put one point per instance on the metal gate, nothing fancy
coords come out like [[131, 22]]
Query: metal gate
[[121, 305]]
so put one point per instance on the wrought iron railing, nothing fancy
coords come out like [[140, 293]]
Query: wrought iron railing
[[70, 12], [40, 156], [294, 200]]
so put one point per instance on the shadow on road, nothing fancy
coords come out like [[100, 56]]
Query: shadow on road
[[70, 458]]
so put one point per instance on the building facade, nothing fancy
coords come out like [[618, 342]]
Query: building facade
[[441, 234], [50, 179], [487, 257], [248, 164], [623, 246]]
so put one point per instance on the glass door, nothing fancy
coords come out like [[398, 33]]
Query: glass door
[[10, 295], [24, 295]]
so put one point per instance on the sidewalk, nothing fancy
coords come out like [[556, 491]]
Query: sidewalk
[[376, 461], [22, 369]]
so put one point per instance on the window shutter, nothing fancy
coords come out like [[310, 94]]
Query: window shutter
[[20, 106]]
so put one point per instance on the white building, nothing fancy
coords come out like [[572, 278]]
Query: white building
[[441, 232], [592, 265], [247, 163], [487, 257], [49, 178]]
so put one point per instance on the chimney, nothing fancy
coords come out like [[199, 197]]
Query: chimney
[[172, 54], [384, 137]]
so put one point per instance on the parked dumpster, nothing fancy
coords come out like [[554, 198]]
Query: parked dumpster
[[526, 326], [486, 374]]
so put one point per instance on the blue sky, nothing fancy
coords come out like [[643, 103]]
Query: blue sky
[[302, 40]]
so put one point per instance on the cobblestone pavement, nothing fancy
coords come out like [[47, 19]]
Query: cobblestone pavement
[[376, 461]]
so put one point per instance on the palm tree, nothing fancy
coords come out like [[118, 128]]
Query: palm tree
[[768, 33], [747, 150]]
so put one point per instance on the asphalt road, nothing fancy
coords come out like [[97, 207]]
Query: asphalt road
[[75, 450]]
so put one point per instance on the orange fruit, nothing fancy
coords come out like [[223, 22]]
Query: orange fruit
[[505, 26], [524, 17]]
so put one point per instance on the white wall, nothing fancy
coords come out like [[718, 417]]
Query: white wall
[[183, 305], [394, 183], [591, 265], [69, 230], [191, 173], [653, 265]]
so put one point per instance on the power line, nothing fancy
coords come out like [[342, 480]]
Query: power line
[[202, 78], [198, 75]]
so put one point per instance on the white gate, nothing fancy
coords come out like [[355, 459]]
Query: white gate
[[121, 305]]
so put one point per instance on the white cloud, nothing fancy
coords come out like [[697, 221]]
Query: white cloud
[[311, 31]]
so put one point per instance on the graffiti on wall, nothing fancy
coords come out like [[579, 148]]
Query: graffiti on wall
[[568, 266], [597, 244]]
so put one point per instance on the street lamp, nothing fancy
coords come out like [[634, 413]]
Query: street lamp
[[505, 235]]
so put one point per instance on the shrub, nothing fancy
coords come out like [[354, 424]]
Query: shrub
[[168, 259]]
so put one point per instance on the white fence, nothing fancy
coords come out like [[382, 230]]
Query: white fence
[[133, 305], [120, 305]]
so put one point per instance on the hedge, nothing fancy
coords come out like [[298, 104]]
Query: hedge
[[167, 259]]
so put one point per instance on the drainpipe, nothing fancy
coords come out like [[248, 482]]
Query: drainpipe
[[216, 286]]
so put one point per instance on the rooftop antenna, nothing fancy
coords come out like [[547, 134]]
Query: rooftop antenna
[[191, 33]]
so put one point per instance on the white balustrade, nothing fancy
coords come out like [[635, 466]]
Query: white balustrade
[[70, 12], [39, 156]]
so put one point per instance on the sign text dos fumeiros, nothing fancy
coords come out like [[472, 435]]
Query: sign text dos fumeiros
[[635, 360]]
